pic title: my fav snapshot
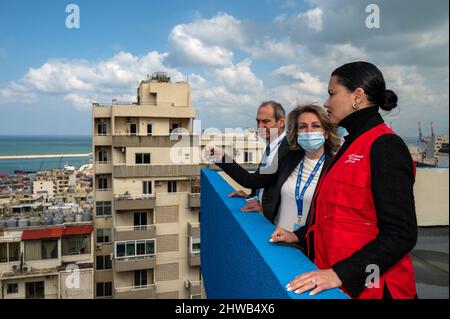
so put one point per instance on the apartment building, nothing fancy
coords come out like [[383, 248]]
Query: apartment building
[[46, 261], [53, 182], [146, 205], [147, 161]]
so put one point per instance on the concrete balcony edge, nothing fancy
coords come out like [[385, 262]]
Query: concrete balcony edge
[[237, 259]]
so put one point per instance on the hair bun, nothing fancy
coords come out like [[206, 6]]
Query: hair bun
[[389, 100]]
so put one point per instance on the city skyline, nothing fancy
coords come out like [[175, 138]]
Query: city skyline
[[234, 55]]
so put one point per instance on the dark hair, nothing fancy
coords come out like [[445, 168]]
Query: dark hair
[[332, 143], [278, 110], [367, 76]]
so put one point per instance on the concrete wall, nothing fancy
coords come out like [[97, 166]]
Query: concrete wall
[[238, 261], [431, 195]]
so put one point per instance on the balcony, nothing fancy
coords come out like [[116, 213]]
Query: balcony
[[120, 171], [194, 259], [194, 200], [102, 140], [134, 232], [141, 292], [164, 110], [195, 287], [245, 264], [102, 168], [149, 141], [194, 229], [131, 264], [134, 202]]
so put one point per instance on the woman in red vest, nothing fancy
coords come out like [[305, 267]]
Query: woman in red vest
[[362, 223]]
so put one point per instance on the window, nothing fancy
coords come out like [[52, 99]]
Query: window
[[102, 183], [103, 235], [102, 156], [149, 129], [12, 288], [173, 127], [104, 289], [76, 245], [140, 221], [103, 208], [104, 262], [41, 249], [196, 296], [140, 278], [9, 252], [133, 129], [34, 290], [135, 248], [146, 187], [248, 157], [142, 158], [194, 245], [172, 186], [101, 129]]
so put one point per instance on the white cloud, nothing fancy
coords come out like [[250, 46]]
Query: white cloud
[[301, 81], [81, 82], [15, 92], [270, 48], [313, 18], [206, 42], [238, 78]]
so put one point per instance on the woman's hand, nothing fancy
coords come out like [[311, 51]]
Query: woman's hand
[[316, 281], [214, 154], [282, 235], [239, 194], [252, 206]]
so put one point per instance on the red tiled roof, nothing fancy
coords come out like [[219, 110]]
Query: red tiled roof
[[33, 234], [78, 230]]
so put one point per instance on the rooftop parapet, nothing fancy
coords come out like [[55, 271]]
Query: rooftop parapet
[[237, 259]]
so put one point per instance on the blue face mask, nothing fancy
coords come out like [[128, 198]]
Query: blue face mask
[[310, 141], [342, 131]]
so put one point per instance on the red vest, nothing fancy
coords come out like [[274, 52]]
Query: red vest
[[345, 217]]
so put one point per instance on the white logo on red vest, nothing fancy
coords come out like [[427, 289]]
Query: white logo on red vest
[[353, 158]]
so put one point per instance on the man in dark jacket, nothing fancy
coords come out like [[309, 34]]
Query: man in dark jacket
[[271, 121]]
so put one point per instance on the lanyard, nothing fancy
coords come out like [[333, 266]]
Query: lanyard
[[299, 197]]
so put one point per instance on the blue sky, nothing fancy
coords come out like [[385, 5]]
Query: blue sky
[[235, 54]]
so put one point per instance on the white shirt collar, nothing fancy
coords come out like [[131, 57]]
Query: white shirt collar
[[277, 141]]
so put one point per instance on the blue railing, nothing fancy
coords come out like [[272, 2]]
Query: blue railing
[[237, 259]]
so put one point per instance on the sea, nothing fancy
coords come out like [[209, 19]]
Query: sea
[[38, 145]]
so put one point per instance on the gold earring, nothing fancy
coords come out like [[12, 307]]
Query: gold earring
[[355, 106]]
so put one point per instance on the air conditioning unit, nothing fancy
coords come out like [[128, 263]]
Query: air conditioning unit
[[15, 268], [98, 247], [158, 183], [26, 268], [187, 283]]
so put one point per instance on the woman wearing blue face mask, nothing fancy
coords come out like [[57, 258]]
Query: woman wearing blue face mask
[[313, 140]]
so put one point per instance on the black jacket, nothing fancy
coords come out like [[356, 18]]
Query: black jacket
[[273, 181], [392, 178], [268, 194]]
